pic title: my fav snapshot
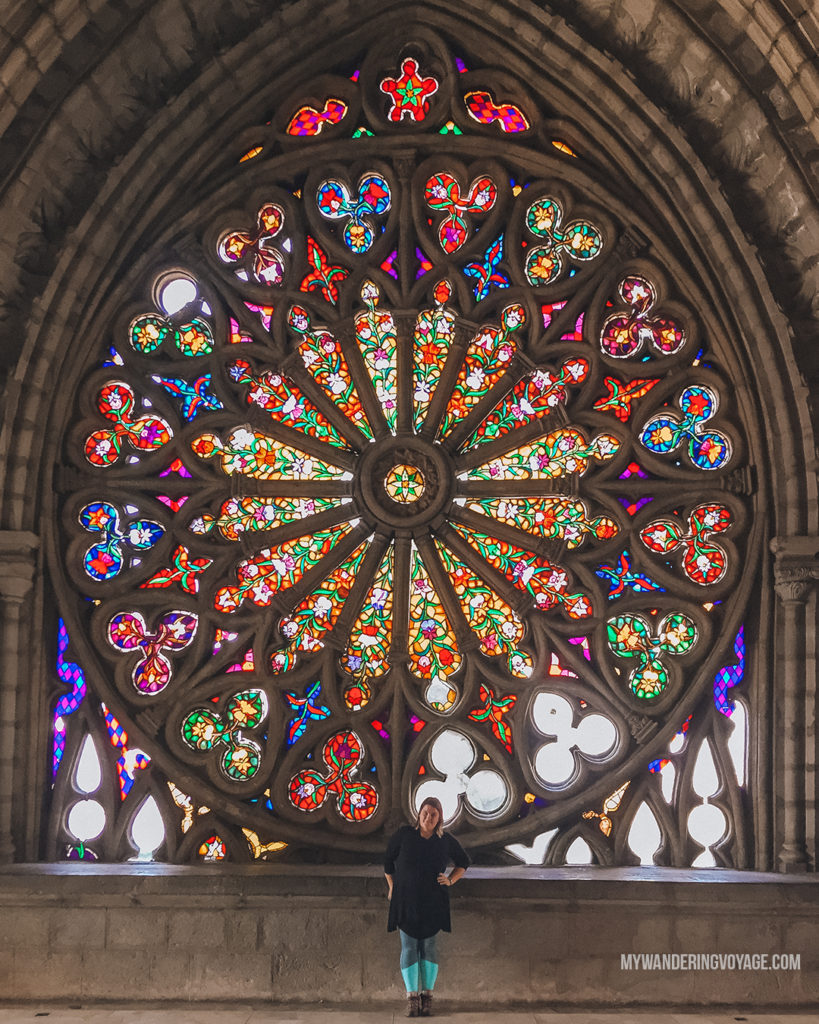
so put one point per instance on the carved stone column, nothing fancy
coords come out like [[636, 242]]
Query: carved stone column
[[794, 576], [18, 558]]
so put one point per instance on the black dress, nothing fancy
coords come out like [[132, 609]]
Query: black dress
[[420, 904]]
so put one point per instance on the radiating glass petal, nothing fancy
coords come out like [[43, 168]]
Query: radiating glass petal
[[554, 517], [277, 568], [434, 334], [251, 453], [318, 612], [486, 361], [433, 648], [323, 356], [533, 397], [563, 452], [548, 583], [284, 402], [239, 516], [367, 650], [497, 627], [375, 331]]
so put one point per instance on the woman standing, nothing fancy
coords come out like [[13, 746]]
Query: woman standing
[[415, 867]]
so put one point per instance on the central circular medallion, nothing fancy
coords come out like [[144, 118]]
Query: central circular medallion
[[404, 483]]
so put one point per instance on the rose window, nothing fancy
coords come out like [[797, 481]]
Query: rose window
[[414, 476]]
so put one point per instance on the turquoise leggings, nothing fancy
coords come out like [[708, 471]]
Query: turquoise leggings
[[419, 962]]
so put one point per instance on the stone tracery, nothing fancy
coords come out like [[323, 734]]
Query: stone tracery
[[458, 464]]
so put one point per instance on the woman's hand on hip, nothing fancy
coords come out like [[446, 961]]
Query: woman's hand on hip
[[444, 879]]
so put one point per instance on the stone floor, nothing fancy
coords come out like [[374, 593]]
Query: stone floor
[[269, 1014]]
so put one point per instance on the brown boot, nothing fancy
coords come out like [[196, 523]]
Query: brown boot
[[426, 1004], [413, 1005]]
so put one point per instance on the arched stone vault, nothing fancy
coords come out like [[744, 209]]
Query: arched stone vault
[[117, 116]]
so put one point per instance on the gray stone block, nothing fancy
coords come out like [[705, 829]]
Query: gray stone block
[[135, 928], [27, 927], [76, 929], [213, 974], [243, 929], [103, 968], [168, 974], [56, 976], [197, 928]]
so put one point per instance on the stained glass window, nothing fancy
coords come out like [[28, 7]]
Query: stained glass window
[[413, 480]]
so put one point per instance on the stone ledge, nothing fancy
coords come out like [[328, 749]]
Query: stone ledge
[[260, 885], [307, 933]]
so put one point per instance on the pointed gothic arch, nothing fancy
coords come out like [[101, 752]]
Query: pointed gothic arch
[[702, 240]]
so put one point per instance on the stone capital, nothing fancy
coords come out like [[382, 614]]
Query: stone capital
[[796, 568]]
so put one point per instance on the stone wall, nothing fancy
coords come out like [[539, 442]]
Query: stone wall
[[537, 937]]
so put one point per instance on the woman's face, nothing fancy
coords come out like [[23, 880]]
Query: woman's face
[[428, 818]]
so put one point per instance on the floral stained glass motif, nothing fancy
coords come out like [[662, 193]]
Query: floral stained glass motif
[[336, 202], [184, 571], [486, 361], [433, 648], [264, 458], [307, 709], [146, 433], [404, 483], [128, 632], [256, 251], [105, 558], [707, 449], [151, 331], [630, 636], [703, 560], [580, 240], [561, 453], [277, 568], [622, 577], [375, 332], [537, 395], [493, 711], [624, 335], [284, 402], [443, 194], [205, 730], [557, 518], [323, 277], [355, 800], [486, 272], [433, 338], [410, 92], [620, 396], [194, 396]]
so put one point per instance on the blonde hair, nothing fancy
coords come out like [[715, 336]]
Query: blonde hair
[[432, 801]]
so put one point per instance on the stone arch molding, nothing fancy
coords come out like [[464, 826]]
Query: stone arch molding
[[74, 250]]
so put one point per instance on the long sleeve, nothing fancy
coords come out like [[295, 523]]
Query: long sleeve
[[457, 854], [393, 848]]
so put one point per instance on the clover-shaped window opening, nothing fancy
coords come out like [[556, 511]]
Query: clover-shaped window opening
[[572, 739]]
